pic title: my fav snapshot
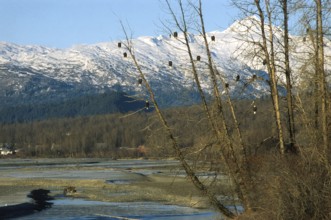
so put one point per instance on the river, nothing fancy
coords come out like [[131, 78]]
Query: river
[[120, 196]]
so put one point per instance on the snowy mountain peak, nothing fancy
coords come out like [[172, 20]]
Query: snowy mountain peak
[[248, 24], [35, 70]]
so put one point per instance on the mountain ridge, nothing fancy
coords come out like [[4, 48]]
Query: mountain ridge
[[32, 71]]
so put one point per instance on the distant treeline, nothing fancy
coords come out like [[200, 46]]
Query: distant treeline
[[135, 133]]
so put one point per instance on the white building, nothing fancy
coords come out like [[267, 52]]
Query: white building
[[6, 151]]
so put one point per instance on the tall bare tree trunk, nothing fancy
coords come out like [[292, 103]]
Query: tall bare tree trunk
[[212, 68], [289, 95], [189, 171], [270, 62], [316, 94], [218, 124], [321, 73], [241, 173]]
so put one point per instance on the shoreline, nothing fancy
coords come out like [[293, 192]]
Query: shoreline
[[160, 185]]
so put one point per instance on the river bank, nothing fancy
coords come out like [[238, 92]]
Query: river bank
[[120, 181]]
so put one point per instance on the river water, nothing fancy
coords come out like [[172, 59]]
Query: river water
[[70, 209], [116, 172]]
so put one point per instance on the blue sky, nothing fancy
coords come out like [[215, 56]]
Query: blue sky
[[63, 23]]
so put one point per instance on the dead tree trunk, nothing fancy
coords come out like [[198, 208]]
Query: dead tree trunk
[[270, 63], [321, 73], [189, 171], [241, 172], [289, 96], [218, 124]]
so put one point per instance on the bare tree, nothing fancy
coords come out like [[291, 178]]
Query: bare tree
[[290, 105], [321, 73], [236, 171], [313, 16], [189, 171], [232, 154], [269, 54], [243, 167]]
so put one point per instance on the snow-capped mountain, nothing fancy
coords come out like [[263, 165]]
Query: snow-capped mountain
[[39, 73]]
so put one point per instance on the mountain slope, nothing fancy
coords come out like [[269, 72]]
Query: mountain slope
[[35, 74], [90, 104]]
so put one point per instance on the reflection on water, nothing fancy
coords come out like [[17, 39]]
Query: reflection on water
[[66, 209], [39, 201]]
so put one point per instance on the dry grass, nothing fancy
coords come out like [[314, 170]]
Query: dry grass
[[165, 189]]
